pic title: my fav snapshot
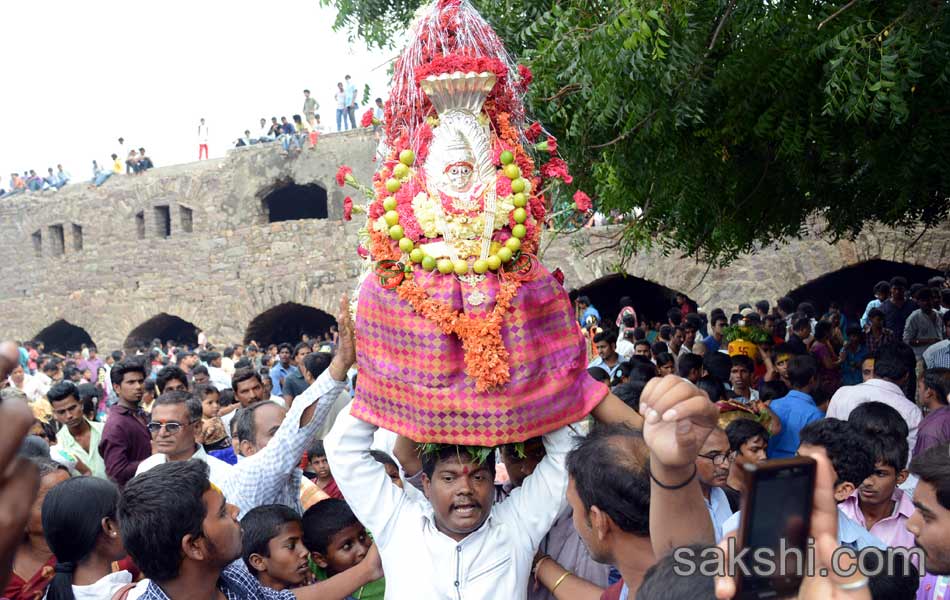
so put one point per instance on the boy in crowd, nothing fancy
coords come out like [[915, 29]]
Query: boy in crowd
[[273, 548], [712, 470], [748, 440], [324, 477], [337, 542], [879, 504]]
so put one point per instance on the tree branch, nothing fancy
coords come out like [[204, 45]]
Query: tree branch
[[722, 21], [567, 89], [837, 12], [628, 132]]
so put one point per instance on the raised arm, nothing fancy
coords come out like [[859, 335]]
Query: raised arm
[[342, 585], [375, 501], [678, 417]]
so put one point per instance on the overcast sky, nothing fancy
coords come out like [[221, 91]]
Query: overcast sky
[[77, 75]]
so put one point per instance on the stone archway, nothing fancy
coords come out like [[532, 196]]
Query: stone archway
[[851, 287], [164, 327], [650, 300], [291, 201], [287, 322], [62, 336]]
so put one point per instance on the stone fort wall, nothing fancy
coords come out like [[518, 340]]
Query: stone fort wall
[[195, 241]]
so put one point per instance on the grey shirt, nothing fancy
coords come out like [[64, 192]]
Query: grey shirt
[[921, 326]]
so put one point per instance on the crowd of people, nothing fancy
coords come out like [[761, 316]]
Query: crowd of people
[[178, 471], [31, 182]]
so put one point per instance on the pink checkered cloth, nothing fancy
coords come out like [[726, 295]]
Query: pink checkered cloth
[[412, 377]]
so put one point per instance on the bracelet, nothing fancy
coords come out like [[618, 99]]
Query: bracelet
[[560, 580], [677, 486], [853, 585], [537, 566]]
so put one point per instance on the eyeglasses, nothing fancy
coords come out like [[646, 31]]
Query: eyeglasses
[[718, 458], [171, 427]]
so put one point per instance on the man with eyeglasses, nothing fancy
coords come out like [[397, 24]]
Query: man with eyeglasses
[[174, 424], [712, 470]]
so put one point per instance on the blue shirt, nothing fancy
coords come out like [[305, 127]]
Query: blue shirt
[[287, 128], [795, 410], [276, 372], [350, 94], [711, 344]]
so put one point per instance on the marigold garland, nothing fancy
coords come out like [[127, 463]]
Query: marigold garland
[[486, 358]]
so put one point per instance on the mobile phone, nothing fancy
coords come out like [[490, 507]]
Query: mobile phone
[[775, 525]]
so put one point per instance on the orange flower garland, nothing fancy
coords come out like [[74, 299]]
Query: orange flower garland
[[486, 358]]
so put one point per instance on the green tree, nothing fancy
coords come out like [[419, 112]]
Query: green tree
[[723, 125]]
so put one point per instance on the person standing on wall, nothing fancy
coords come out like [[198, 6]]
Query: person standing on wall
[[202, 139]]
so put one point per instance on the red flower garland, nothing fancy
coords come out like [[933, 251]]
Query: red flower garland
[[367, 120], [347, 209], [582, 201]]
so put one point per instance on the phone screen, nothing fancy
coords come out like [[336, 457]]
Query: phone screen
[[776, 521]]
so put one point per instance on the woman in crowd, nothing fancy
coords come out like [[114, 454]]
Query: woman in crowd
[[81, 530]]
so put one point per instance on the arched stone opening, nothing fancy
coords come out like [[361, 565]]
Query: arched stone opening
[[62, 336], [164, 327], [287, 322], [650, 300], [290, 201], [852, 287]]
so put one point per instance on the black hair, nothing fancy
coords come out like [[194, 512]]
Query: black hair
[[876, 312], [675, 315], [316, 363], [72, 523], [801, 323], [899, 281], [924, 293], [629, 393], [643, 342], [664, 357], [770, 390], [323, 520], [285, 345], [786, 304], [316, 449], [854, 329], [762, 306], [741, 431], [713, 386], [158, 508], [898, 580], [181, 397], [741, 360], [938, 380], [687, 363], [300, 346], [666, 581], [718, 364], [203, 390], [876, 419], [228, 351], [116, 355], [122, 367], [639, 368], [847, 448], [882, 287], [585, 300], [629, 320], [890, 450], [168, 373], [659, 348], [450, 451], [383, 458], [259, 526], [599, 374], [89, 397], [889, 362], [62, 390], [604, 336], [808, 309], [33, 446], [801, 370], [243, 375], [933, 466], [52, 365], [822, 330], [608, 473]]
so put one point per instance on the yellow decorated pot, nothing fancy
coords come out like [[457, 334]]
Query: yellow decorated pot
[[743, 347]]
